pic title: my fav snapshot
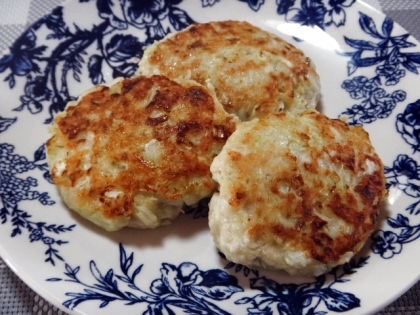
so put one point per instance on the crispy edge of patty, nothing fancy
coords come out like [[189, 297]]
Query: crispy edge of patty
[[195, 46], [305, 205], [186, 120]]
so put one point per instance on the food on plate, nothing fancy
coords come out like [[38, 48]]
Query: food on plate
[[132, 152], [290, 188], [253, 71], [299, 192]]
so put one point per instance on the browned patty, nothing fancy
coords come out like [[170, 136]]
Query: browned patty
[[297, 192], [132, 152], [253, 72]]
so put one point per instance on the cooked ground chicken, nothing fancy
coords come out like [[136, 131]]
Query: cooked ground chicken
[[131, 153], [297, 192], [253, 71]]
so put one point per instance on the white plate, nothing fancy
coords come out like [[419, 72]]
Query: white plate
[[368, 68]]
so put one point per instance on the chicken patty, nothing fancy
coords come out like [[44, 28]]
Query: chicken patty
[[253, 71], [299, 192], [131, 153]]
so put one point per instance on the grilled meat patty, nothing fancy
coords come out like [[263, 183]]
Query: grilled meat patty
[[299, 192], [253, 71], [131, 153]]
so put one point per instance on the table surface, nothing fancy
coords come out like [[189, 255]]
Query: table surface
[[15, 16]]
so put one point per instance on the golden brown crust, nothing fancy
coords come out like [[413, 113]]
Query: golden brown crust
[[342, 204], [251, 70], [291, 193], [184, 120]]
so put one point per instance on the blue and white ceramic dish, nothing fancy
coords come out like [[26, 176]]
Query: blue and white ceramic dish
[[369, 69]]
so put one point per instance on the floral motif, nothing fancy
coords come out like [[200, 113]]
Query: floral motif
[[140, 14], [14, 189], [391, 63], [190, 289], [46, 78], [408, 125], [209, 3], [119, 52], [48, 74], [386, 53], [305, 298], [337, 15], [405, 175], [6, 123], [253, 4], [146, 15], [22, 56], [376, 103], [238, 268], [185, 287], [387, 243], [36, 91], [309, 12], [314, 12]]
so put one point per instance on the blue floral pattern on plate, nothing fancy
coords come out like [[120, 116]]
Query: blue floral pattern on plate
[[53, 60], [404, 175], [14, 190], [315, 13], [188, 288], [184, 287], [390, 62], [114, 50]]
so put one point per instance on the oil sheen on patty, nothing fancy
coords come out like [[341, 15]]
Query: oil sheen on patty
[[132, 152], [298, 192], [253, 71]]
